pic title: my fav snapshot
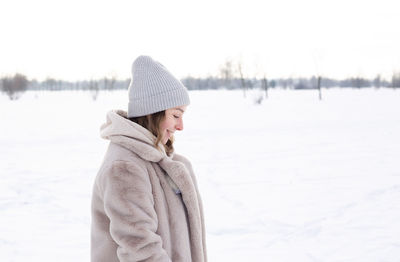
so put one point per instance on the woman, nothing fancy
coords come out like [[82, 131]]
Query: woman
[[145, 204]]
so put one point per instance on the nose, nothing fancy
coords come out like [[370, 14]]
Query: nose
[[179, 125]]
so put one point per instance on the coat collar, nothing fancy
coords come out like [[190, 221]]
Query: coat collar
[[120, 130]]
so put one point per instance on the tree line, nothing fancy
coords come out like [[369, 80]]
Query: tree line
[[15, 86]]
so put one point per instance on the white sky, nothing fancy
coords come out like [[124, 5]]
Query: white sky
[[78, 39]]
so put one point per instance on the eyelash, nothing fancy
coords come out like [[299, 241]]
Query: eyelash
[[176, 116]]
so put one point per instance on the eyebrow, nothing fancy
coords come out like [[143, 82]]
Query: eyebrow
[[180, 110]]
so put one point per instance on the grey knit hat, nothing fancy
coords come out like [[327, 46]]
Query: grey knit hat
[[153, 88]]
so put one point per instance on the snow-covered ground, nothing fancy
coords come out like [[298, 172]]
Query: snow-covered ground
[[292, 179]]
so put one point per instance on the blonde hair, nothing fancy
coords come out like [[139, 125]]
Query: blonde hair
[[153, 124]]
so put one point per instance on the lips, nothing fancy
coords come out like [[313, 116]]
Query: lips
[[170, 133]]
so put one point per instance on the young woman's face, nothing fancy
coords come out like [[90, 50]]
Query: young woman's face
[[173, 121]]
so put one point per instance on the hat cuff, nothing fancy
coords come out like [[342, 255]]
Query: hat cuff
[[157, 103]]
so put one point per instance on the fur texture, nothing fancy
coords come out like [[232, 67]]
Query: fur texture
[[136, 213]]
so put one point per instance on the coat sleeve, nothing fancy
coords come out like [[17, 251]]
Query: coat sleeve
[[129, 204]]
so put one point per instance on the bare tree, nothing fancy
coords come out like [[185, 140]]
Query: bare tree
[[377, 81], [94, 89], [357, 82], [319, 87], [113, 80], [226, 73], [51, 83], [14, 86], [396, 79], [109, 83], [264, 85], [242, 80], [318, 58]]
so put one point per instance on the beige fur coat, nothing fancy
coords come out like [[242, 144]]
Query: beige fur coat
[[145, 204]]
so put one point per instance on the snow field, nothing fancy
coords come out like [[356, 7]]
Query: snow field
[[292, 179]]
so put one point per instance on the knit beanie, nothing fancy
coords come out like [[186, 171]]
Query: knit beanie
[[153, 88]]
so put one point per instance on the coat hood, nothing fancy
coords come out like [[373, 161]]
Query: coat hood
[[120, 130]]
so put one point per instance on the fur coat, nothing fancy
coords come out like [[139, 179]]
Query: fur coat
[[145, 204]]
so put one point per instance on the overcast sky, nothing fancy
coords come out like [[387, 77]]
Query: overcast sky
[[81, 39]]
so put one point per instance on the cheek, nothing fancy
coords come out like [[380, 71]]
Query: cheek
[[163, 126], [168, 124]]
